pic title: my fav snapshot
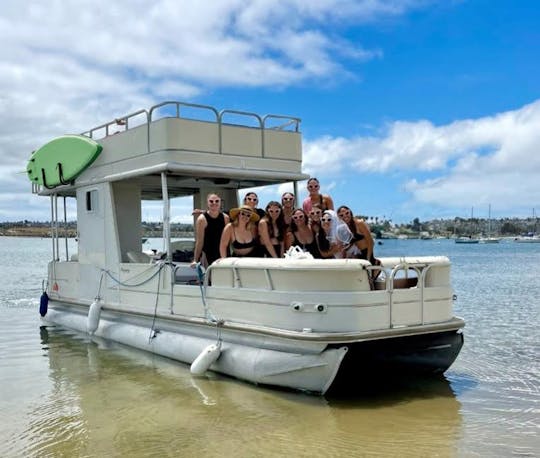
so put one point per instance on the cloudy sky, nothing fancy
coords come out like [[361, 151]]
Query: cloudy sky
[[410, 108]]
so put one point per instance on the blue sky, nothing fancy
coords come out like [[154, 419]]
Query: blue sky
[[410, 108]]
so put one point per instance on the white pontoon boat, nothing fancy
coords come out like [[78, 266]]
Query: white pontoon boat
[[304, 324]]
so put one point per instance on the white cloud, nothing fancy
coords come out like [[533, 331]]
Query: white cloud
[[490, 159], [68, 65]]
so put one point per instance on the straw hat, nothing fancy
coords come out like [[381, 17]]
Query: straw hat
[[233, 213]]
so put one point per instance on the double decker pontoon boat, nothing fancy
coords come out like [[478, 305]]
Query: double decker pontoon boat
[[305, 324]]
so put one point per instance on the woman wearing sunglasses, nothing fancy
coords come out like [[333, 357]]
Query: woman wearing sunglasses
[[287, 203], [252, 200], [239, 238], [272, 230], [361, 234], [315, 220], [301, 234], [330, 245], [208, 229], [315, 198]]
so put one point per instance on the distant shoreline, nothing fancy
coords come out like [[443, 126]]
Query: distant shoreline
[[45, 232]]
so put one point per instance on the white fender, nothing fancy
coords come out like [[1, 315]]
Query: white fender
[[207, 357], [94, 313]]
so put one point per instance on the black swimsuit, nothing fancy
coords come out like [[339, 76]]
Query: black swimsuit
[[309, 247], [212, 236], [357, 237], [236, 245], [277, 249]]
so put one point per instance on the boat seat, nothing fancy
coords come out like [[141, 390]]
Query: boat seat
[[138, 257]]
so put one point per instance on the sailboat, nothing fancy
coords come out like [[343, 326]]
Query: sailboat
[[531, 237], [468, 239], [489, 238]]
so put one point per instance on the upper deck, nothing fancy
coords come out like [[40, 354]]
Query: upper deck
[[194, 143]]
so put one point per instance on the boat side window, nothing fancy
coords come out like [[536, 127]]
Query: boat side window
[[91, 200]]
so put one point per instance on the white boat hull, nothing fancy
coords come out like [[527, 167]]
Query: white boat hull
[[312, 371]]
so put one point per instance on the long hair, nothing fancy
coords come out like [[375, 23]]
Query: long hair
[[322, 240], [280, 221], [351, 224], [294, 226]]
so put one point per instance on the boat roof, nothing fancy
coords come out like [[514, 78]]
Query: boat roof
[[196, 146]]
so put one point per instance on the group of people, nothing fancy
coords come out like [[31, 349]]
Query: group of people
[[251, 231]]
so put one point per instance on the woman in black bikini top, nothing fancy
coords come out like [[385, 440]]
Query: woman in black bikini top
[[239, 237], [272, 230], [361, 233], [301, 234]]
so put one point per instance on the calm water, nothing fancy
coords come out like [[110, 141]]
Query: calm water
[[64, 395]]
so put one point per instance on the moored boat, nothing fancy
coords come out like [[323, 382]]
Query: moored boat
[[469, 240], [305, 324], [527, 239]]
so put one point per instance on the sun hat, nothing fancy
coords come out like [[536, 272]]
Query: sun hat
[[233, 213]]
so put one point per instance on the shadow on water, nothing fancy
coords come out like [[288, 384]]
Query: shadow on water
[[393, 390]]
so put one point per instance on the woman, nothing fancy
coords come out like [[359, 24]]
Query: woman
[[315, 198], [329, 244], [315, 220], [240, 236], [287, 202], [361, 235], [208, 229], [272, 230], [301, 234], [252, 200]]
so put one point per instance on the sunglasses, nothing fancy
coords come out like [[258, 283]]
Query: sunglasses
[[326, 220], [274, 210], [313, 186], [247, 214], [288, 199], [252, 199], [212, 201], [298, 217], [318, 212], [344, 214]]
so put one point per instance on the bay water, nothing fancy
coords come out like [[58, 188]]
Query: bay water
[[62, 394]]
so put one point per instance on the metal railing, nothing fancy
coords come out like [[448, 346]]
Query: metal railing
[[262, 122], [128, 121]]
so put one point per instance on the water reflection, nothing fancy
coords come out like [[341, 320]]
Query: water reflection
[[109, 399]]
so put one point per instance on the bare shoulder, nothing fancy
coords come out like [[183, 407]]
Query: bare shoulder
[[201, 220]]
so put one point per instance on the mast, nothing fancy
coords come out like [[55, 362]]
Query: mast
[[489, 221]]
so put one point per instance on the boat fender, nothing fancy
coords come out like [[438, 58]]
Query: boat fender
[[94, 313], [206, 358], [43, 303]]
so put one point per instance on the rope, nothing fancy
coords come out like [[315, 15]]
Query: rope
[[207, 312], [152, 332], [98, 297], [127, 285]]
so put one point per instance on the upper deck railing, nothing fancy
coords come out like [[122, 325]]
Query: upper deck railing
[[146, 117]]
